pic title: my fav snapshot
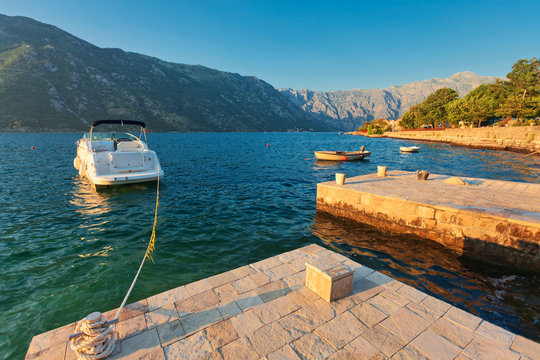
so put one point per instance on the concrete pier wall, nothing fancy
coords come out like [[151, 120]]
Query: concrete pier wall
[[494, 221], [522, 139]]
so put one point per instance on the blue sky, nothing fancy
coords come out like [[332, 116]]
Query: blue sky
[[319, 45]]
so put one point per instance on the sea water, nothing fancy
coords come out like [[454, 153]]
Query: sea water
[[227, 200]]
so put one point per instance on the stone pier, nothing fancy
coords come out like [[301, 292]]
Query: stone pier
[[264, 311], [491, 220]]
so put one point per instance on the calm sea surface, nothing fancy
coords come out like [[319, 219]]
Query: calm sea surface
[[226, 200]]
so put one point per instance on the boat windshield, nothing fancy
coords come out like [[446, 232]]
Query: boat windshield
[[110, 136]]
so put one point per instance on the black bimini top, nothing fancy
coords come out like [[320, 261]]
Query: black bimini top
[[121, 122]]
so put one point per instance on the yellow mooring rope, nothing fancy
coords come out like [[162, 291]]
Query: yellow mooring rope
[[95, 338]]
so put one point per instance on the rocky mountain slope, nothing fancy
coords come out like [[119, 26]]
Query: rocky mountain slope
[[348, 109], [53, 81]]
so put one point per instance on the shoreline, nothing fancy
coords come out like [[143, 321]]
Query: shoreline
[[524, 139]]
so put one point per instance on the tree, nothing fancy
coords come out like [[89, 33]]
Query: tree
[[523, 90], [410, 119], [433, 108], [457, 111], [525, 77], [483, 102]]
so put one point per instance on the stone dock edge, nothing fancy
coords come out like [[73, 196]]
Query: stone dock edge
[[264, 311], [492, 220]]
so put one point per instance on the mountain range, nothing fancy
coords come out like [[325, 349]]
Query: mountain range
[[51, 80], [348, 109]]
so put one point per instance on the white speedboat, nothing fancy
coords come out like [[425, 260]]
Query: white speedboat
[[409, 149], [114, 158]]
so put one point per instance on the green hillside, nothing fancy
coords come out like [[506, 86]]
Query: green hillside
[[53, 81]]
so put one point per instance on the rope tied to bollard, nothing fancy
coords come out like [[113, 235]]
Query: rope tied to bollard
[[94, 337], [97, 341]]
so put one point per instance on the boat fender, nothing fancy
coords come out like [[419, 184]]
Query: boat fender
[[82, 169], [77, 163]]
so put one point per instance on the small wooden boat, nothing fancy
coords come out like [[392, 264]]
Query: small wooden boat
[[409, 149], [341, 155]]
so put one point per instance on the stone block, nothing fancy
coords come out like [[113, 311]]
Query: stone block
[[239, 349], [266, 264], [198, 287], [225, 292], [196, 346], [228, 309], [331, 284], [272, 291], [405, 324], [221, 333], [170, 332], [362, 349], [49, 339], [384, 304], [221, 279], [425, 212], [197, 321], [496, 334], [301, 322], [435, 347], [249, 300], [484, 349], [269, 338], [199, 302], [411, 293], [246, 323], [160, 316], [139, 346], [383, 340], [131, 326], [312, 346], [463, 318], [455, 333], [527, 348], [167, 298], [275, 309], [244, 284], [368, 314], [341, 330], [284, 353]]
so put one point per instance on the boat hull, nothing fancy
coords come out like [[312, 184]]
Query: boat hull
[[409, 149], [341, 155], [107, 161]]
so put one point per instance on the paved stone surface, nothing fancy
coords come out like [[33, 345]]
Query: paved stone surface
[[239, 349], [497, 212], [264, 311], [341, 330], [383, 340], [195, 346], [284, 353], [221, 334], [170, 332], [311, 346], [139, 345], [453, 332], [435, 347], [463, 318]]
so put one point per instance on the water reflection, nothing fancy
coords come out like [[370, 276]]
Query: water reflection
[[87, 200], [498, 295]]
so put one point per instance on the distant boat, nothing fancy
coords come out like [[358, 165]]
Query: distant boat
[[409, 149], [341, 155]]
